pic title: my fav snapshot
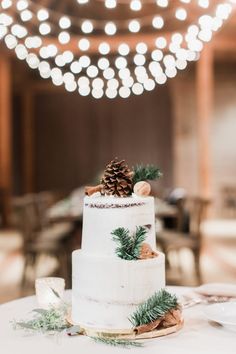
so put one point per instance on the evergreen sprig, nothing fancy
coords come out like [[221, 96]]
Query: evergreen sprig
[[129, 246], [53, 319], [124, 343], [154, 308], [145, 173]]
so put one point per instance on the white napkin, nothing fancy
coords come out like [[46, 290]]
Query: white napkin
[[217, 289]]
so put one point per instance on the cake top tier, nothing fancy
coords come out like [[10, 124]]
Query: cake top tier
[[105, 216]]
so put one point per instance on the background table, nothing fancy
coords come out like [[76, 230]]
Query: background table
[[198, 336]]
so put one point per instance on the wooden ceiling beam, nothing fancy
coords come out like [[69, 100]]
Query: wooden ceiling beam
[[224, 43], [114, 42], [220, 43], [204, 94], [5, 137]]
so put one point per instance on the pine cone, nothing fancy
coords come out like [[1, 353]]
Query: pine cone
[[117, 179]]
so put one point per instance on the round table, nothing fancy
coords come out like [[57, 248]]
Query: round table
[[197, 336]]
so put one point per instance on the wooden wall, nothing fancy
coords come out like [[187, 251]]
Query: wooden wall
[[222, 139], [74, 137]]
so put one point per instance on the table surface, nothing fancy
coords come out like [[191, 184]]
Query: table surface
[[219, 228], [198, 336]]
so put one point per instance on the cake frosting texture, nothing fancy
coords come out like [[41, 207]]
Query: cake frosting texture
[[102, 215], [107, 289]]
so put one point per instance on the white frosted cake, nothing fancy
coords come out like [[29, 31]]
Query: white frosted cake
[[107, 289]]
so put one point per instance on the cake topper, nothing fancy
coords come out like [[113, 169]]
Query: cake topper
[[119, 181]]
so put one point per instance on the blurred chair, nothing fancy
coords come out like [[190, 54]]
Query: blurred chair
[[228, 197], [3, 213], [1, 206], [39, 237], [194, 209]]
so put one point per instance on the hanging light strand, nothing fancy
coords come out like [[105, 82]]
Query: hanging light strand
[[121, 72]]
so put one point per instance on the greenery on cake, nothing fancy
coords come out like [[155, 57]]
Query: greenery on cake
[[145, 173], [154, 308], [129, 246], [123, 343]]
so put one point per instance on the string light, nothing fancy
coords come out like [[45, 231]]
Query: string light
[[117, 75], [181, 14], [22, 5], [158, 22], [162, 3], [124, 92], [42, 15], [6, 4], [141, 48], [3, 31], [45, 28], [203, 3], [161, 42], [103, 63], [123, 49], [137, 88], [87, 26], [81, 2], [64, 22], [84, 44], [136, 5], [104, 48], [26, 15], [92, 71], [110, 4], [134, 26], [84, 61], [110, 28], [64, 37]]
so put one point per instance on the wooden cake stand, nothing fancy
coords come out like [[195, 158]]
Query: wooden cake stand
[[127, 334]]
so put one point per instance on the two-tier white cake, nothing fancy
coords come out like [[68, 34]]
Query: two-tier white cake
[[107, 289]]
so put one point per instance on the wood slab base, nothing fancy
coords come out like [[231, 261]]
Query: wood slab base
[[128, 334]]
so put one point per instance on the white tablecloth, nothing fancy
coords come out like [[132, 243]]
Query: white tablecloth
[[198, 336], [224, 229]]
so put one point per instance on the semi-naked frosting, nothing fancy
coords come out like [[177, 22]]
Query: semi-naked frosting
[[102, 215], [107, 289]]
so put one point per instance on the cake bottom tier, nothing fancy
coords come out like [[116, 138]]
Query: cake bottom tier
[[106, 291]]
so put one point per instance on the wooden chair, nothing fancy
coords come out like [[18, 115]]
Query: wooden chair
[[228, 198], [176, 240], [40, 239]]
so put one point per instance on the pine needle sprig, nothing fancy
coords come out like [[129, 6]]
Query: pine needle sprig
[[53, 319], [129, 246], [138, 238], [123, 343], [154, 308], [145, 173]]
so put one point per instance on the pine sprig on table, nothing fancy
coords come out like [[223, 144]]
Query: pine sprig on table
[[53, 319], [117, 342], [145, 173], [154, 308], [129, 246]]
